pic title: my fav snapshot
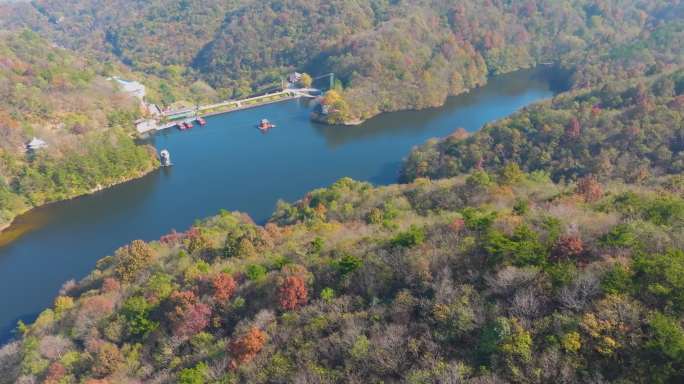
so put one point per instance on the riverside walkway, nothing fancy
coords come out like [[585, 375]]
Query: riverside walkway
[[171, 118]]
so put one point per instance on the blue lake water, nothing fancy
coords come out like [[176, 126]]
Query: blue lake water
[[229, 164]]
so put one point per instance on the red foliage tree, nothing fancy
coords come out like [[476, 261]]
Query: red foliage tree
[[224, 286], [172, 238], [244, 348], [110, 284], [568, 248], [459, 134], [574, 129], [589, 188], [292, 293], [55, 373], [457, 225], [195, 241], [188, 316], [95, 307]]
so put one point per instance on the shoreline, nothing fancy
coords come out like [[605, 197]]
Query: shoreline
[[316, 117], [4, 228]]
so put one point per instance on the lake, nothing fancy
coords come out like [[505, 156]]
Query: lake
[[229, 164]]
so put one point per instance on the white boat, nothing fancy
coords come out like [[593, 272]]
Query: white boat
[[165, 158]]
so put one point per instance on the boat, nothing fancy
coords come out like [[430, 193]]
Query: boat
[[264, 124], [165, 158], [187, 124], [201, 121]]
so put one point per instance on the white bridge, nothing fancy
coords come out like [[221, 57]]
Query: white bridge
[[231, 105]]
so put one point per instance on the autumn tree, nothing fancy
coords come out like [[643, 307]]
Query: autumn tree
[[331, 97], [574, 128], [292, 293], [568, 247], [195, 241], [244, 348], [55, 373], [305, 81], [188, 315], [107, 360], [589, 188], [131, 259], [459, 134], [110, 284], [224, 286]]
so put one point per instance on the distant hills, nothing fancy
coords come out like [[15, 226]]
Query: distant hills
[[388, 55]]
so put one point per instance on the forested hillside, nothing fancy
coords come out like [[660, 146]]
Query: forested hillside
[[86, 121], [629, 130], [490, 278], [389, 55], [545, 248]]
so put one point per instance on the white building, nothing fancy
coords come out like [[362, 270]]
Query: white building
[[35, 144], [294, 77]]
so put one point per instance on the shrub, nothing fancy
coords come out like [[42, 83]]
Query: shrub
[[255, 272], [521, 207], [316, 245], [327, 294], [618, 280], [511, 174], [667, 336], [477, 220], [194, 375], [136, 311], [571, 342], [412, 237], [522, 248], [492, 336], [661, 276], [347, 264], [159, 287], [621, 235]]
